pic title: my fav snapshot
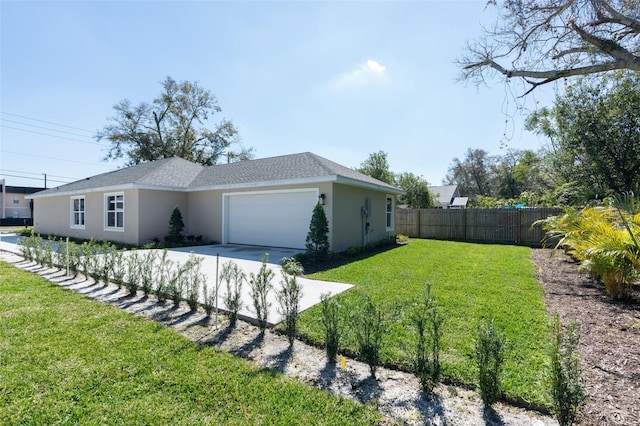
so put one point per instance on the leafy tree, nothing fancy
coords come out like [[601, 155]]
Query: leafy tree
[[317, 238], [174, 124], [472, 175], [517, 172], [594, 133], [377, 167], [176, 225], [416, 189], [541, 41]]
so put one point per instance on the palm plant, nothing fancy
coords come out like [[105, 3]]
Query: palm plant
[[604, 239]]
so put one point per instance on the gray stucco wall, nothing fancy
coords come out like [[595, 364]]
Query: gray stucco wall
[[350, 230], [52, 215], [147, 214]]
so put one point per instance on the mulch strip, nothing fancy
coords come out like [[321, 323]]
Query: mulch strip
[[609, 338]]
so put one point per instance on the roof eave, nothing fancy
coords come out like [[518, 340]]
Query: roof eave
[[369, 185], [107, 188], [281, 182]]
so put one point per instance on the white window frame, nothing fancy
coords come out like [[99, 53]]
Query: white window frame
[[82, 202], [16, 199], [115, 211], [390, 215]]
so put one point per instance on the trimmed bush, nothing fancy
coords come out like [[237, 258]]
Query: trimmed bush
[[291, 266], [318, 237], [176, 226]]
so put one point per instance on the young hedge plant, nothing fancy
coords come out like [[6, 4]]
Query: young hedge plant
[[234, 278], [331, 323], [427, 322], [288, 297], [194, 279], [260, 285], [490, 349], [567, 388], [369, 325], [133, 272], [147, 265]]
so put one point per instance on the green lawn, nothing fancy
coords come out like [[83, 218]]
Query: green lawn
[[469, 282], [67, 359]]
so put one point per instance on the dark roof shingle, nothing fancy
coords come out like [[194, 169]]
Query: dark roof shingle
[[179, 174]]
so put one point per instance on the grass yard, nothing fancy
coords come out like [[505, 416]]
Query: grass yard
[[67, 359], [469, 282]]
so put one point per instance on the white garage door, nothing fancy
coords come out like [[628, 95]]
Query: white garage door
[[276, 219]]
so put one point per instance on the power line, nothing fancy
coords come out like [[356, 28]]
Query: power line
[[48, 122], [45, 128], [32, 178], [46, 134], [56, 159], [39, 174]]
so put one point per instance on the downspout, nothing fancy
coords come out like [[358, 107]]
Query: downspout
[[364, 214], [4, 197]]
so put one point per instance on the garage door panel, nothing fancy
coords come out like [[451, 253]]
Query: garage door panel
[[279, 219]]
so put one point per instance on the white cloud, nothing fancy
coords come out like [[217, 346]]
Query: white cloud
[[368, 74]]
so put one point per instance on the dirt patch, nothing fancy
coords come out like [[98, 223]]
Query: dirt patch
[[609, 338]]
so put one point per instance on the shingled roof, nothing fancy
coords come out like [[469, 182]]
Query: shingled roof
[[181, 175]]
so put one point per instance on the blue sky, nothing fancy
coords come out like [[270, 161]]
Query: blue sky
[[340, 79]]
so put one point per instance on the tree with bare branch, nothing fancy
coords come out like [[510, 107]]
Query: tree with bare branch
[[175, 124], [541, 41]]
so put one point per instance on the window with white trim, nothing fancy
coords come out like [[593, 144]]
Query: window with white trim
[[77, 212], [16, 199], [114, 212], [390, 213]]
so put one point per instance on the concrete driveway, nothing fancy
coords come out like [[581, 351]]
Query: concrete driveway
[[248, 258]]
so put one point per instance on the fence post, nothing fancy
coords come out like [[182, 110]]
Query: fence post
[[519, 236]]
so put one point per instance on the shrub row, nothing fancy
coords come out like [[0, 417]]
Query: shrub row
[[368, 323], [149, 272]]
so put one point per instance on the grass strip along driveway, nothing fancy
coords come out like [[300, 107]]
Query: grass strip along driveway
[[67, 359], [470, 282]]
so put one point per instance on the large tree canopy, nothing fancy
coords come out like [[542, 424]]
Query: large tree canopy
[[541, 41], [594, 130], [416, 188], [515, 177], [174, 124], [377, 167], [473, 174]]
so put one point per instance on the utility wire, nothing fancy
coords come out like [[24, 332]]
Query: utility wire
[[45, 128], [47, 122], [38, 174], [46, 134], [56, 159], [33, 178]]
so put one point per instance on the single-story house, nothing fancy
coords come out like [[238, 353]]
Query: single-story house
[[15, 206], [266, 202], [448, 197]]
